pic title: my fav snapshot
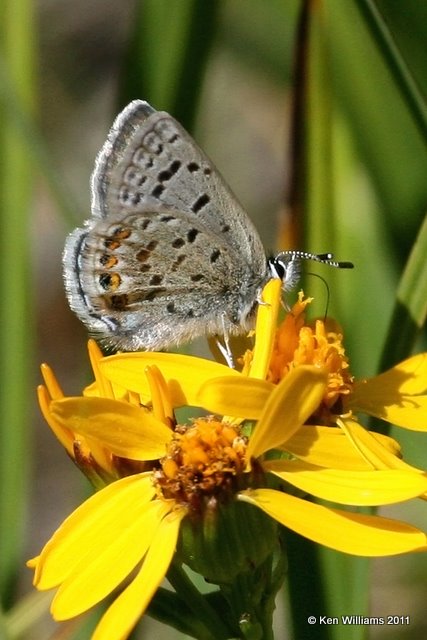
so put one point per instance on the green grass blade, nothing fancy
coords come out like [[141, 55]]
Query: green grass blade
[[17, 51], [170, 75], [23, 122], [317, 577], [26, 614], [396, 63], [410, 310]]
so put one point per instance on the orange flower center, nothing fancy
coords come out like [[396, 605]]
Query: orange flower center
[[297, 343], [202, 462]]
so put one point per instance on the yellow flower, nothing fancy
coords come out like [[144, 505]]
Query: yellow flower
[[398, 396], [127, 533]]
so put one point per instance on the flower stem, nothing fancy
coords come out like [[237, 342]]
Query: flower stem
[[203, 612]]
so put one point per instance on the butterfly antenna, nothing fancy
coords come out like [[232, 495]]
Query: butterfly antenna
[[328, 292], [287, 265]]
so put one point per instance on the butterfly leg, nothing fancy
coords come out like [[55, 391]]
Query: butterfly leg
[[224, 347], [225, 351], [260, 301]]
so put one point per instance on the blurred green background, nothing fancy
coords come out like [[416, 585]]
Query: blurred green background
[[225, 69]]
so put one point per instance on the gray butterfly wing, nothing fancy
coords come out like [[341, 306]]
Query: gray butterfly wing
[[156, 277], [168, 254], [124, 129], [149, 158]]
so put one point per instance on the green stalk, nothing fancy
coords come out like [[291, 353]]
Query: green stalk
[[17, 49], [210, 625], [168, 54], [18, 117], [318, 578]]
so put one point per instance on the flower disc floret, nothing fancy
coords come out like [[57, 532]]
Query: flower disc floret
[[299, 344], [201, 463]]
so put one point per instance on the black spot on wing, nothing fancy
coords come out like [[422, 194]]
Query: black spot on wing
[[119, 302], [154, 293], [192, 235], [157, 190], [215, 255], [136, 198], [193, 167], [180, 259], [167, 174], [145, 252], [105, 280], [201, 202], [178, 243]]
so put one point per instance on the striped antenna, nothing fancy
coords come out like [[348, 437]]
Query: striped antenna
[[287, 265]]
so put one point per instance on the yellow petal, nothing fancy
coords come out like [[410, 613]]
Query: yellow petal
[[99, 572], [91, 390], [126, 430], [90, 526], [130, 605], [64, 435], [103, 386], [353, 533], [240, 397], [408, 377], [184, 375], [396, 395], [51, 382], [265, 329], [359, 488], [371, 447], [32, 563], [160, 402], [289, 405], [330, 447]]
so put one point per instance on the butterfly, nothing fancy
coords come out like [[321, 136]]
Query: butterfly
[[168, 253]]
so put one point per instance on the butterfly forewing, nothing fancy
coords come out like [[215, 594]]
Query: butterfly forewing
[[161, 164]]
